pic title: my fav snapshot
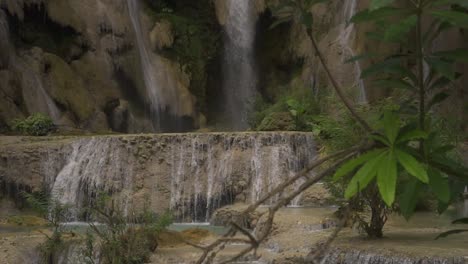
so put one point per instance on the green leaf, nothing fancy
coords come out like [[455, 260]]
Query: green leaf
[[443, 67], [354, 163], [439, 185], [411, 135], [451, 232], [456, 55], [409, 198], [438, 98], [397, 31], [441, 82], [376, 4], [391, 125], [455, 18], [381, 13], [395, 83], [380, 138], [363, 176], [411, 165], [387, 178], [391, 65]]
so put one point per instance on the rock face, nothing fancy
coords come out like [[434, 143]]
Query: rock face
[[70, 59], [191, 174]]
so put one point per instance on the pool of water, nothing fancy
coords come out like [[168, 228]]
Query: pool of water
[[179, 227]]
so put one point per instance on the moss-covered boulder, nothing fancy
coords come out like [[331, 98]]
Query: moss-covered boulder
[[278, 121], [67, 88]]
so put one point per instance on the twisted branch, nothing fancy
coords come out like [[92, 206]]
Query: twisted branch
[[254, 241]]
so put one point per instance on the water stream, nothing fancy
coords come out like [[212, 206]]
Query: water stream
[[192, 174], [345, 39], [239, 73], [153, 89]]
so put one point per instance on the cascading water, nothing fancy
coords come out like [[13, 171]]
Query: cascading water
[[40, 100], [239, 85], [191, 174], [94, 166], [153, 90], [160, 88], [224, 168], [346, 37]]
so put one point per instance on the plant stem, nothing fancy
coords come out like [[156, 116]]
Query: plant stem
[[337, 87]]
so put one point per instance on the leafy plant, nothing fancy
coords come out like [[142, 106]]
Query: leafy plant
[[404, 150], [121, 242], [35, 125], [55, 213]]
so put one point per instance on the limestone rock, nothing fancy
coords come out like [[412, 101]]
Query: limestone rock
[[161, 35], [232, 213], [67, 88]]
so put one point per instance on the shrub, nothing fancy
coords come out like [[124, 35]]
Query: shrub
[[121, 242], [35, 125]]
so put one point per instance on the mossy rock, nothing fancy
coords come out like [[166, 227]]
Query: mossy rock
[[67, 88], [26, 220], [278, 121]]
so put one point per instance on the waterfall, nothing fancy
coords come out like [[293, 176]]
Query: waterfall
[[94, 165], [153, 75], [230, 166], [346, 37], [38, 100], [190, 174], [239, 85]]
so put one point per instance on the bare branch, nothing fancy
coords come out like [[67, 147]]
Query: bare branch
[[220, 243]]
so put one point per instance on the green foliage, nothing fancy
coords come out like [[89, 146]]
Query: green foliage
[[35, 125], [295, 11], [55, 213], [410, 148], [121, 242], [292, 111]]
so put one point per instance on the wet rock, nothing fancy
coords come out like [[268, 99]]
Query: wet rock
[[161, 35], [233, 213]]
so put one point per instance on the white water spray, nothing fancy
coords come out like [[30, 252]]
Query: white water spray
[[350, 9], [240, 79]]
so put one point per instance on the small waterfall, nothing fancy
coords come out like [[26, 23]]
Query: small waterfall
[[227, 167], [239, 74], [95, 165], [345, 39], [38, 100]]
